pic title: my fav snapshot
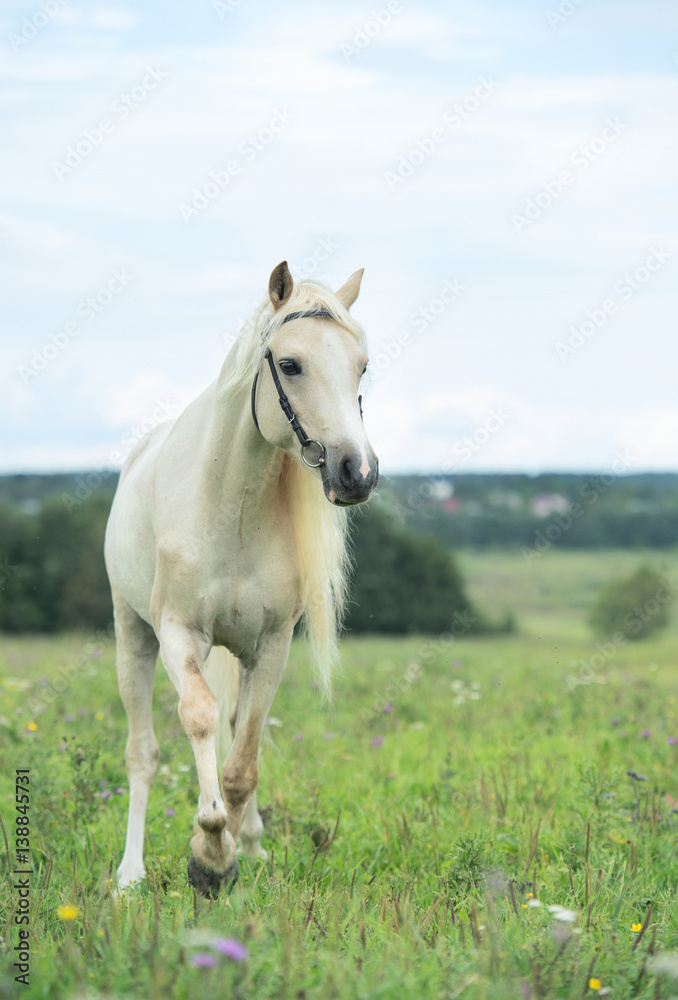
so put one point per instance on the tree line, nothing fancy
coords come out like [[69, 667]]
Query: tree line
[[53, 578]]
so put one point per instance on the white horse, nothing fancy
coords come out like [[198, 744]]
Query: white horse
[[220, 536]]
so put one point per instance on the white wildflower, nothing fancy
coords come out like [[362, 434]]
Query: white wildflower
[[560, 913]]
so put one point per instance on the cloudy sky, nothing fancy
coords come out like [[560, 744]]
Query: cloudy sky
[[504, 171]]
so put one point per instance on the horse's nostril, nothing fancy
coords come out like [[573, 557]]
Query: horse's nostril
[[346, 474]]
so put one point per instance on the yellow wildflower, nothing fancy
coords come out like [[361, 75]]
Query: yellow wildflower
[[636, 927], [32, 726], [594, 984], [99, 716], [68, 912]]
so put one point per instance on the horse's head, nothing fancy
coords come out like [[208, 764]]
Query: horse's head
[[305, 399]]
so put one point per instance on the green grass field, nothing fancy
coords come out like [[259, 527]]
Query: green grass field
[[418, 833]]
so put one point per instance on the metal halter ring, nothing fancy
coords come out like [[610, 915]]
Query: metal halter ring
[[321, 459]]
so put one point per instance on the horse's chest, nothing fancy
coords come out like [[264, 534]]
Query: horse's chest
[[249, 602]]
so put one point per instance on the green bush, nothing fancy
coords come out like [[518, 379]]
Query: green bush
[[52, 576], [635, 606], [405, 583]]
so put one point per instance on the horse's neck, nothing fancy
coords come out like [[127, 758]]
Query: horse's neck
[[240, 469]]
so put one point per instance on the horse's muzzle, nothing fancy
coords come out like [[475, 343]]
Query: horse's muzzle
[[350, 478]]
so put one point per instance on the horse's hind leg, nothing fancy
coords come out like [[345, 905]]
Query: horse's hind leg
[[137, 651], [240, 773], [251, 831], [252, 827]]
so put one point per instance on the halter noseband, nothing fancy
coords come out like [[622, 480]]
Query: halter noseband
[[304, 440]]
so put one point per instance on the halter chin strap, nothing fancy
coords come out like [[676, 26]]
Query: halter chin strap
[[304, 440]]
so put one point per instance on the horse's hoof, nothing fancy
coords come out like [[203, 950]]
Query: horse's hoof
[[209, 883]]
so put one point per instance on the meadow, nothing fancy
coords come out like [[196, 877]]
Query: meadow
[[482, 818]]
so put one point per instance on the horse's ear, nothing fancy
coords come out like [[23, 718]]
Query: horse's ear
[[348, 292], [280, 284]]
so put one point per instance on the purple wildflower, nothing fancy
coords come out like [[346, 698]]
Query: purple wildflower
[[299, 736], [616, 720], [377, 741], [120, 791], [69, 717], [231, 948], [645, 734], [169, 812], [204, 960], [106, 794], [671, 740], [388, 708], [96, 653]]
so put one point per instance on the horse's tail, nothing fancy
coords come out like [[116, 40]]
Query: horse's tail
[[222, 673]]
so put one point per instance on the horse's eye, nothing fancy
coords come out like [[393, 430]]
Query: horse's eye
[[290, 368]]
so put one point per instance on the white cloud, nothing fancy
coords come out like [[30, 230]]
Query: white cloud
[[113, 18], [324, 175]]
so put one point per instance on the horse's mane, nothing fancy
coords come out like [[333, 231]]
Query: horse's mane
[[320, 528]]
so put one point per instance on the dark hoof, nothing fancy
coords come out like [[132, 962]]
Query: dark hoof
[[209, 883]]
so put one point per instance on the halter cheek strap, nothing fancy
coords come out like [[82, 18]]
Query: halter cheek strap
[[304, 440]]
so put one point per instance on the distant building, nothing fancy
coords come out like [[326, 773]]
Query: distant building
[[442, 489], [549, 503]]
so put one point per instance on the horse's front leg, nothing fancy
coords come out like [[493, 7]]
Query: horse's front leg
[[212, 862], [258, 685]]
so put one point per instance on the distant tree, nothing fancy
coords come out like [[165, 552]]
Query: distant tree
[[86, 595], [20, 609], [403, 583], [635, 606], [52, 574]]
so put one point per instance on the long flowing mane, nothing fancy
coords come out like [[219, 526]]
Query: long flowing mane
[[320, 528]]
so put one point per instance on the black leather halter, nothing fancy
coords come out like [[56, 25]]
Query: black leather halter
[[304, 440]]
